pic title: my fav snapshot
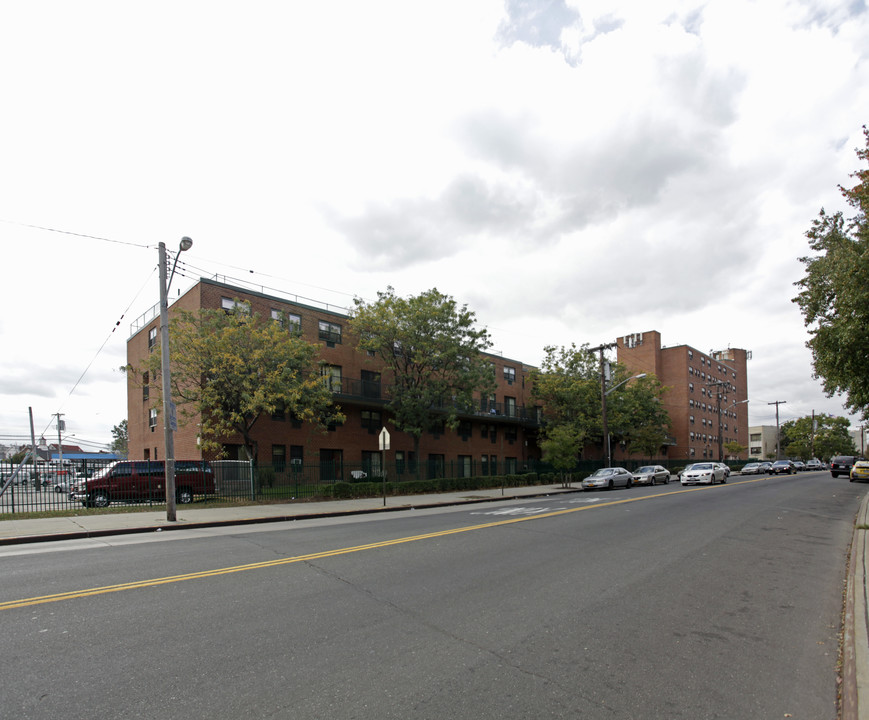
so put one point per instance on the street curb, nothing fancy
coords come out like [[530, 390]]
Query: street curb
[[85, 534], [855, 641]]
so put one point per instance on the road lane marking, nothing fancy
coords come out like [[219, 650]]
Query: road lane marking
[[155, 582]]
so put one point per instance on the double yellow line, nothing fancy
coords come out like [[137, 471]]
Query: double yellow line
[[154, 582]]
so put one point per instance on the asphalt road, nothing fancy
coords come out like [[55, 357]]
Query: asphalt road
[[662, 602]]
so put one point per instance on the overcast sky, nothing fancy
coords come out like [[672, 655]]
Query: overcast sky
[[573, 171]]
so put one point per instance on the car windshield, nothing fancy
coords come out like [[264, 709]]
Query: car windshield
[[603, 471], [102, 473], [646, 469], [701, 466]]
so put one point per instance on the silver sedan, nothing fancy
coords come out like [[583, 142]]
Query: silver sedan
[[608, 478], [651, 475]]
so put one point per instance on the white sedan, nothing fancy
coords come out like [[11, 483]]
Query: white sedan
[[608, 478], [703, 473]]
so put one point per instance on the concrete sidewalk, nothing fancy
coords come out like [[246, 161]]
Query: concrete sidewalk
[[13, 532]]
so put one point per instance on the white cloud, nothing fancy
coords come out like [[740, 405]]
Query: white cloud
[[573, 171]]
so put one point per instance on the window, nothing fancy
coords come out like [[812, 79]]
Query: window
[[691, 354], [465, 466], [372, 421], [510, 375], [279, 415], [484, 465], [370, 384], [297, 456], [152, 418], [484, 431], [279, 457], [152, 339], [464, 429], [691, 419], [288, 321], [332, 376], [146, 388], [330, 332], [510, 406], [230, 306], [510, 466], [371, 463], [690, 387]]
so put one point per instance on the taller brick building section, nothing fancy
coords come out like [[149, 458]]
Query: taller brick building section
[[707, 394]]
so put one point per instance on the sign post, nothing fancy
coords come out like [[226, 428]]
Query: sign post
[[384, 446]]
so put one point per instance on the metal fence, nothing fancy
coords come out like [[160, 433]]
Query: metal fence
[[48, 486]]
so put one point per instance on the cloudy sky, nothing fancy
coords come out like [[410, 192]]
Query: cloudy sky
[[573, 170]]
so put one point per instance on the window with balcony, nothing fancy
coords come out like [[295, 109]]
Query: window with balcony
[[332, 377], [510, 407]]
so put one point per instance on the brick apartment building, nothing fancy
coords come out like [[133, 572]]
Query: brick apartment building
[[498, 436], [706, 397]]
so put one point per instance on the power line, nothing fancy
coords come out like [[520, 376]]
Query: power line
[[75, 234]]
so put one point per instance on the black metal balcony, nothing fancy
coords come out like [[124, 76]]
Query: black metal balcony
[[369, 392]]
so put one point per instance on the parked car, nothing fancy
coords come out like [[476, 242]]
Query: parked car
[[608, 478], [860, 471], [703, 473], [814, 464], [841, 465], [783, 466], [726, 469], [129, 481], [651, 475], [799, 465], [766, 466], [751, 468]]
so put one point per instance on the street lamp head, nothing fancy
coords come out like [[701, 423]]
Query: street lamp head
[[186, 243]]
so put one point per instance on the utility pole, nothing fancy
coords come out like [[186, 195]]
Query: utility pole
[[718, 384], [60, 428], [777, 431], [606, 435]]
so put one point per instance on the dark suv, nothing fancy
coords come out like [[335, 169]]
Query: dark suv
[[841, 465]]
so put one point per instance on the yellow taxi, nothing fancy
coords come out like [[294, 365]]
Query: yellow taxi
[[860, 470]]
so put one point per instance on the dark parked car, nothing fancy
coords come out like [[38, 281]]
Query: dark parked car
[[783, 466], [841, 465], [125, 481]]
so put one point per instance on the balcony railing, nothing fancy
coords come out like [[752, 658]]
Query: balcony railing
[[378, 393]]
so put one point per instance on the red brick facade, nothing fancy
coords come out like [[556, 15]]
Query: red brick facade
[[695, 380], [501, 434]]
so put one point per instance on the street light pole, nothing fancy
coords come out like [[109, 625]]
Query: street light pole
[[169, 419]]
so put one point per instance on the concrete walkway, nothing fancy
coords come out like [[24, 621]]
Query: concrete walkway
[[855, 670], [195, 516]]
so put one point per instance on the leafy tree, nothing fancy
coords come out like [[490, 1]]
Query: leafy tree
[[734, 448], [433, 352], [228, 369], [635, 414], [831, 437], [568, 385], [120, 438], [834, 297], [560, 448]]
